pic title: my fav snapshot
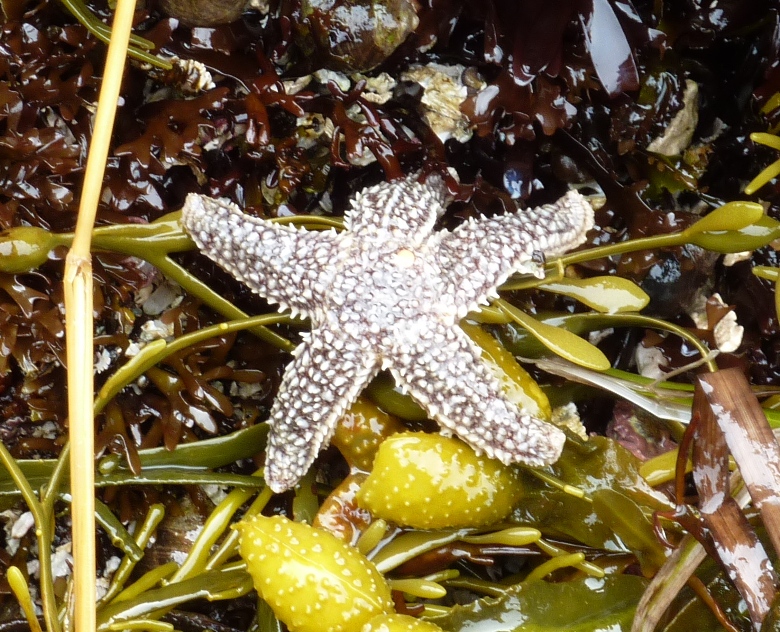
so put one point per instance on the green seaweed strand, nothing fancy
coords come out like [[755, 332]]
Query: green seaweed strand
[[138, 48], [43, 535], [158, 350], [216, 524], [733, 227], [115, 530], [579, 323], [656, 323], [213, 585], [153, 518]]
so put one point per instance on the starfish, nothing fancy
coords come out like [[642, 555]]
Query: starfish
[[388, 292]]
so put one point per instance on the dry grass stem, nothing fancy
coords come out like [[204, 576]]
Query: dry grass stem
[[79, 329]]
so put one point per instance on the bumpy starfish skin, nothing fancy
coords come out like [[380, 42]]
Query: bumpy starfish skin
[[388, 292]]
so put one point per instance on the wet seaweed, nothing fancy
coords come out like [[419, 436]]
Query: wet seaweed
[[292, 135]]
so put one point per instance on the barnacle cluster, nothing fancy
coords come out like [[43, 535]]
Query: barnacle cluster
[[288, 114]]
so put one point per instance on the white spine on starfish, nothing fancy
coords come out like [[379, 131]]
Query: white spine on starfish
[[422, 204], [479, 255], [318, 386], [448, 378], [389, 292], [283, 264]]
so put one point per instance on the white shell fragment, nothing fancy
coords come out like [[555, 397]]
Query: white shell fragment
[[679, 133], [443, 94]]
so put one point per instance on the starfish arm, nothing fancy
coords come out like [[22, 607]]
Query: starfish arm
[[283, 264], [403, 209], [319, 385], [450, 381], [479, 255]]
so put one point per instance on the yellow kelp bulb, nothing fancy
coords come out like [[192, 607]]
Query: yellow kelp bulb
[[311, 580], [361, 431], [429, 481], [399, 623]]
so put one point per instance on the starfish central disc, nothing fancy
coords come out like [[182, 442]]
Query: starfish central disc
[[389, 292]]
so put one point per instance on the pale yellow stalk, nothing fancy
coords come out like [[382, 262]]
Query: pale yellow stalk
[[79, 329]]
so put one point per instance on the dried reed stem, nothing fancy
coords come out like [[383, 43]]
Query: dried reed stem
[[79, 329]]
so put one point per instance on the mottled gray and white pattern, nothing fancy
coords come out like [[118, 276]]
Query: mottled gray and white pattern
[[388, 293]]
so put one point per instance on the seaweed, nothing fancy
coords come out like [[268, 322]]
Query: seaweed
[[184, 378]]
